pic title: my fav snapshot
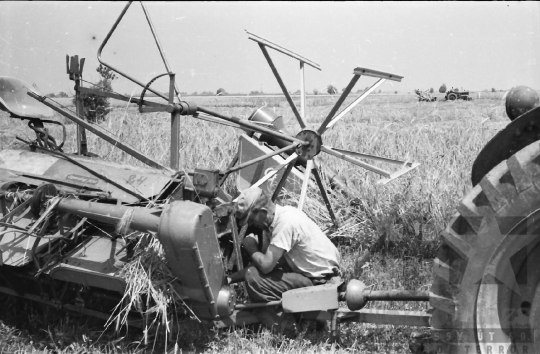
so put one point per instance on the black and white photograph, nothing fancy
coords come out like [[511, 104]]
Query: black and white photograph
[[270, 177]]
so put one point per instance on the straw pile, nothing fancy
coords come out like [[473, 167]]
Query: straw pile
[[149, 290]]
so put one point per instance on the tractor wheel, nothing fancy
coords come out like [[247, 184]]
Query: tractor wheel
[[486, 288], [452, 97]]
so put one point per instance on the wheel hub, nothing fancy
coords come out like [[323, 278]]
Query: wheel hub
[[312, 149]]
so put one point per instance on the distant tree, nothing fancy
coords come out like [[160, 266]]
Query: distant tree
[[51, 95], [254, 93], [331, 89], [431, 90], [97, 107], [62, 94], [442, 89], [379, 91], [493, 90], [315, 91], [194, 93], [220, 91], [395, 92], [297, 92], [343, 89]]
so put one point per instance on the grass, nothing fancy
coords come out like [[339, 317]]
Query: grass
[[400, 222]]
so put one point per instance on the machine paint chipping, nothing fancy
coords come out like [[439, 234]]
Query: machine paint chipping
[[65, 216]]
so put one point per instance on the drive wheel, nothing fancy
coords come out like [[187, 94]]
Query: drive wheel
[[452, 97], [486, 289]]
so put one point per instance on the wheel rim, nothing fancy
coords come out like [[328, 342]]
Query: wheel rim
[[508, 302]]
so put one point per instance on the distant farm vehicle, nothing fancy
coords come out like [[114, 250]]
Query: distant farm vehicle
[[454, 94], [424, 96]]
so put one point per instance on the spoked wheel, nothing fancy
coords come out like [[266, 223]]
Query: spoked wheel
[[486, 290], [309, 143], [452, 97]]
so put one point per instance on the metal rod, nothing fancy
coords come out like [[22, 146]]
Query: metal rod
[[396, 295], [387, 317], [252, 126], [207, 118], [102, 134], [161, 52], [338, 104], [257, 305], [231, 164], [261, 158], [302, 91], [373, 157], [283, 179], [354, 103], [175, 135], [324, 195], [305, 184], [271, 174], [120, 97], [280, 49], [282, 85], [342, 156], [115, 69], [79, 112]]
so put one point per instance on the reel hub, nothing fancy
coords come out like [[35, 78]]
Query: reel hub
[[312, 149]]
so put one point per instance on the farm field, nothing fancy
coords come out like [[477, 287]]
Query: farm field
[[400, 222]]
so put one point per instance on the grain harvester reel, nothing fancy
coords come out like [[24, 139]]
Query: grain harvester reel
[[262, 161]]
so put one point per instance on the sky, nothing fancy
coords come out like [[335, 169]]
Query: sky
[[469, 45]]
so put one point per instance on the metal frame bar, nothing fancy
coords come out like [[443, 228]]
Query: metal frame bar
[[266, 177], [302, 91], [338, 104], [259, 159], [282, 85], [104, 43], [367, 166], [250, 126], [354, 103], [283, 179], [377, 73], [173, 83], [102, 134], [318, 179], [305, 184], [280, 49], [373, 157], [118, 96]]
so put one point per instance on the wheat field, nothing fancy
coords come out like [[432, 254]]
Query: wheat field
[[404, 218]]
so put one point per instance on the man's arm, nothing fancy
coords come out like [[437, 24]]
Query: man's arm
[[265, 262]]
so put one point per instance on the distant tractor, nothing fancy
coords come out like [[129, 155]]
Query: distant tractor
[[453, 94]]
